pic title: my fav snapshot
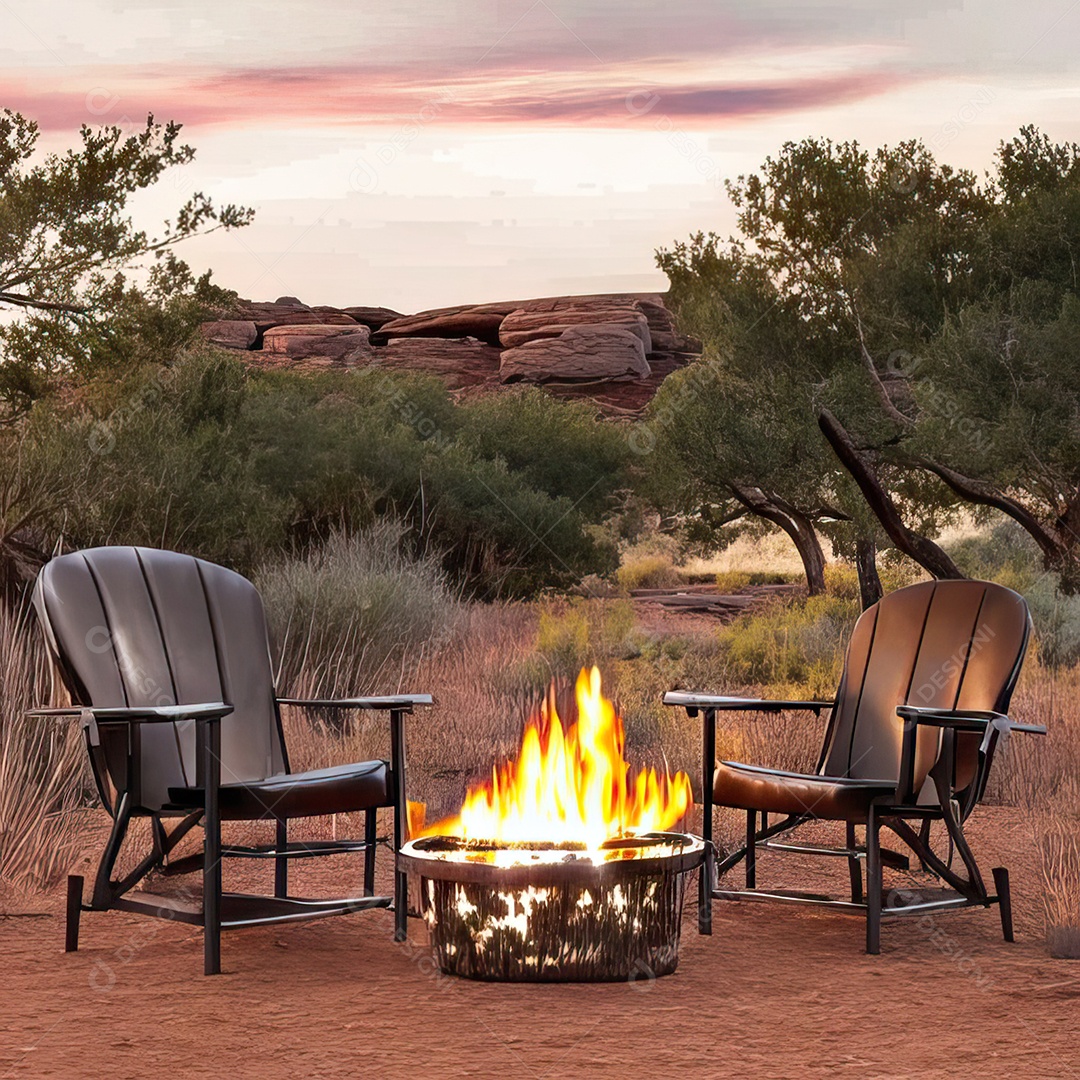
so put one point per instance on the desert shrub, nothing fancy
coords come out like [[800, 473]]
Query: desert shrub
[[41, 764], [237, 467], [355, 614], [841, 581], [648, 572], [1003, 552], [797, 647], [1056, 619], [572, 635], [560, 447]]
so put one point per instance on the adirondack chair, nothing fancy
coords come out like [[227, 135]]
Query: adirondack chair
[[166, 658], [920, 710]]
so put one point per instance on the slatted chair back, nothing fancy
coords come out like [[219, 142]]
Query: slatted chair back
[[140, 627], [945, 644]]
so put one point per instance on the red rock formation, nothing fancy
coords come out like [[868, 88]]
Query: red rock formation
[[578, 354]]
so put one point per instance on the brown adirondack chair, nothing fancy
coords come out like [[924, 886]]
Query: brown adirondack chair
[[920, 710], [166, 658]]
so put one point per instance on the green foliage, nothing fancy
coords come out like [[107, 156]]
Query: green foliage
[[574, 635], [66, 243], [797, 647], [562, 448], [207, 457], [935, 315], [348, 615]]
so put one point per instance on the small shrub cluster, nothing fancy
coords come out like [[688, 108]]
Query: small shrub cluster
[[648, 572], [355, 614], [797, 648], [580, 633]]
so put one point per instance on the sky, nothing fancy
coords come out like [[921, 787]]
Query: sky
[[423, 153]]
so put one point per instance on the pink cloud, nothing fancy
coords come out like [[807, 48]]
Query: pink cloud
[[279, 96]]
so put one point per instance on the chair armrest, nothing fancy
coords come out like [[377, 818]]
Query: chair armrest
[[387, 702], [692, 702], [149, 714], [992, 725], [974, 720]]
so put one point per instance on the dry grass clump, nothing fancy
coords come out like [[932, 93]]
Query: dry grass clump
[[41, 765], [1058, 834], [357, 614], [648, 572]]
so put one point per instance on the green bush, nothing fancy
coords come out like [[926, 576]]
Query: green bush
[[797, 647], [353, 614], [582, 632], [237, 467], [562, 448]]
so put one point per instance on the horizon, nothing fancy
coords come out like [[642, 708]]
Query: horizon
[[438, 154]]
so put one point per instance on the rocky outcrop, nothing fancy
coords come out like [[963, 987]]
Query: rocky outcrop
[[445, 323], [459, 362], [231, 333], [612, 348], [265, 316], [578, 354], [522, 326], [337, 346], [372, 317]]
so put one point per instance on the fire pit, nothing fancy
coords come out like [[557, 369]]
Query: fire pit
[[561, 866], [544, 914]]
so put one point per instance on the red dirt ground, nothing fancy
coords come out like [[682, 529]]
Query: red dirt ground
[[775, 992]]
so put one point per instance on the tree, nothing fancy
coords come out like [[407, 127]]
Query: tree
[[935, 328], [67, 242], [734, 434]]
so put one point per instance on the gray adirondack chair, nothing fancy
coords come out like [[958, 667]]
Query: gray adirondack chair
[[166, 658]]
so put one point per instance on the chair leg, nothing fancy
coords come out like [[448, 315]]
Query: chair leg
[[873, 884], [854, 867], [370, 828], [705, 884], [211, 777], [74, 910], [1001, 886], [751, 849], [281, 862]]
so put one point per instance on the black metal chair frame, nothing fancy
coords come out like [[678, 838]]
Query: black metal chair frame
[[895, 813], [216, 910]]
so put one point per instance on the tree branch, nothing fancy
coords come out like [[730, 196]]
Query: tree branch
[[920, 548], [984, 494], [18, 300]]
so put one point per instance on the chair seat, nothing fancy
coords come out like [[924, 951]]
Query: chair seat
[[336, 790], [750, 787]]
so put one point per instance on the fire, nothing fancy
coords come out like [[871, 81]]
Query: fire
[[570, 785]]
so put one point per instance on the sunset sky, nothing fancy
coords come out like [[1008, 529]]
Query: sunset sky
[[423, 153]]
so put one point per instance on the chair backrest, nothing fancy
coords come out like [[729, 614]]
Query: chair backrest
[[136, 626], [945, 644]]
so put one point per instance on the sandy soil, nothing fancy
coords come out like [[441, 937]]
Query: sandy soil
[[775, 992]]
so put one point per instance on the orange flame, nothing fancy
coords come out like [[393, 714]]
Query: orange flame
[[570, 786]]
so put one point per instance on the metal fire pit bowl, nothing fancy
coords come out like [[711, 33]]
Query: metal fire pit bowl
[[554, 913]]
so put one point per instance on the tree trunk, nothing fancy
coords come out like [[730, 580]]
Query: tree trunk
[[798, 527], [920, 548], [870, 590]]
